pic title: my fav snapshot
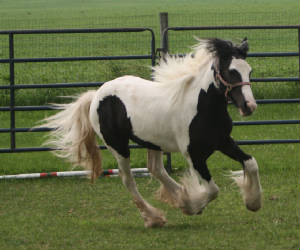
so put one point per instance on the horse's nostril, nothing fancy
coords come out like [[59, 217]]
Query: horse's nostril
[[251, 105]]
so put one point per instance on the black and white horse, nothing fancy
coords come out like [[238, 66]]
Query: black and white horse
[[183, 110]]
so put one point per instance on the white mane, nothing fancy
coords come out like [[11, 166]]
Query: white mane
[[175, 73], [172, 69]]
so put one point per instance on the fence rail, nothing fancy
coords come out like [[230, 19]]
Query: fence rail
[[11, 61], [12, 108]]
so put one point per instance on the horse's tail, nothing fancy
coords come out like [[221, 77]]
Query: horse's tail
[[74, 136]]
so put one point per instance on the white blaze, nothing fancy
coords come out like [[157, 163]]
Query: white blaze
[[244, 69]]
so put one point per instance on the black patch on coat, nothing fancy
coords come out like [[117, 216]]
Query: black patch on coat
[[116, 127], [210, 127]]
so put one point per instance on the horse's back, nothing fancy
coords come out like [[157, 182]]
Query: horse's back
[[123, 86], [133, 107]]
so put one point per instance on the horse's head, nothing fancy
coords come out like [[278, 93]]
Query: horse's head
[[232, 73]]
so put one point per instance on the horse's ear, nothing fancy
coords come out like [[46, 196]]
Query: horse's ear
[[243, 49], [223, 51]]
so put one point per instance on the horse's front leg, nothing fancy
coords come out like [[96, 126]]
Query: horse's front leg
[[170, 190], [198, 183], [191, 196], [247, 180]]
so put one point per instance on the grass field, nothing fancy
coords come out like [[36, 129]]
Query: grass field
[[71, 213]]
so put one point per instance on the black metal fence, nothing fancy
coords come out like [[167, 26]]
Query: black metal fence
[[12, 108], [12, 61]]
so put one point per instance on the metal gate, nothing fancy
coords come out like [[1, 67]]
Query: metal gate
[[12, 108]]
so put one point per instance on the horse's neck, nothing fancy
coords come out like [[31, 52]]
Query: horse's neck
[[183, 93], [203, 91], [202, 81]]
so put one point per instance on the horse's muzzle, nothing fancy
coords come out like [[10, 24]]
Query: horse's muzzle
[[248, 108], [251, 105]]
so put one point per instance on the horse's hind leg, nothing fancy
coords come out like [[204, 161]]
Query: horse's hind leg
[[247, 180], [152, 216]]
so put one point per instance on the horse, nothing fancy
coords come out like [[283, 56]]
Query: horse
[[184, 109]]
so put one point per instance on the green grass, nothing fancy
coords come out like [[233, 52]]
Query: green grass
[[76, 13], [71, 213]]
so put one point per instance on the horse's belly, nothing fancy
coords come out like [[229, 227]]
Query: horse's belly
[[169, 147], [164, 141]]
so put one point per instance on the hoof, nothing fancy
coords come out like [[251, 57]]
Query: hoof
[[253, 209], [155, 222], [187, 212], [191, 211], [253, 206], [254, 202], [200, 212]]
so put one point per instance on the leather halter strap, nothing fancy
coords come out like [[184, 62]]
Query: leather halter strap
[[229, 86]]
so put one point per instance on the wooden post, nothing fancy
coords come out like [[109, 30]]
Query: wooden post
[[164, 23]]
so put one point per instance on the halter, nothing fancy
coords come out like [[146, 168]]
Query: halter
[[228, 86]]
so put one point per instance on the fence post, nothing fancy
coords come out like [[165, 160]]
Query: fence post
[[164, 23], [164, 44]]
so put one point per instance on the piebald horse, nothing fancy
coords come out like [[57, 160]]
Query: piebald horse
[[183, 110]]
